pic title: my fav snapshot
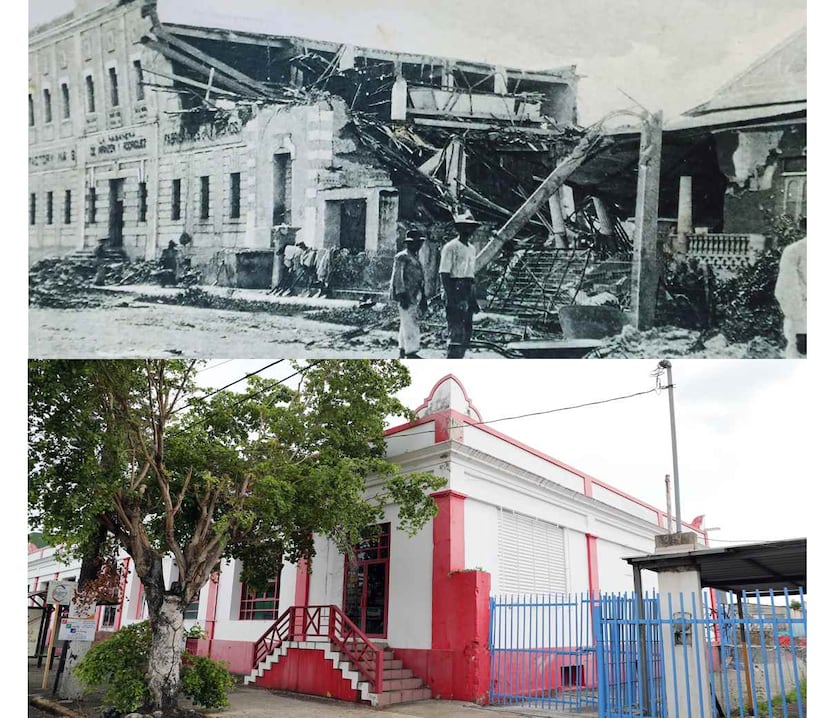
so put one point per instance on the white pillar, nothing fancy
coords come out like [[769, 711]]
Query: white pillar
[[685, 651], [399, 94], [684, 219], [557, 216]]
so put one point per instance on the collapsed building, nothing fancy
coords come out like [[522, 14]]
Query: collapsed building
[[142, 131]]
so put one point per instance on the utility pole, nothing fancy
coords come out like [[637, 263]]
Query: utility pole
[[668, 499], [645, 271], [665, 364]]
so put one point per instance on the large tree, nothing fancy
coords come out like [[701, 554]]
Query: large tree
[[137, 448]]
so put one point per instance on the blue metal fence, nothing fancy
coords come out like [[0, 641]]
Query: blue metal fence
[[542, 651], [661, 656]]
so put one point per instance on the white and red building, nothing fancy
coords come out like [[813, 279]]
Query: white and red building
[[510, 520]]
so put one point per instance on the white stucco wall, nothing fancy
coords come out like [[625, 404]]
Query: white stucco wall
[[616, 574], [417, 437], [509, 452], [481, 537], [625, 504]]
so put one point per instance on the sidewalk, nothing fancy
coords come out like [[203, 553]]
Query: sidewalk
[[248, 702]]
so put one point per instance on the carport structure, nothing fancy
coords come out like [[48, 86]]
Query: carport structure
[[769, 570]]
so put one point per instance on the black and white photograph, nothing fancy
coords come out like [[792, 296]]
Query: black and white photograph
[[263, 237], [401, 179]]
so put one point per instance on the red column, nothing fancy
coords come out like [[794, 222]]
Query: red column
[[592, 564], [460, 609]]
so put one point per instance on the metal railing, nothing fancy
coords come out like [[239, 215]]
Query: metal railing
[[658, 656], [681, 656], [299, 623]]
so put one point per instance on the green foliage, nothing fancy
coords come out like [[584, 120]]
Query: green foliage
[[795, 605], [195, 631], [135, 448], [119, 664], [205, 681]]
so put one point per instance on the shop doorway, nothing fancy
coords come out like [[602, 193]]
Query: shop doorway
[[116, 213], [366, 584]]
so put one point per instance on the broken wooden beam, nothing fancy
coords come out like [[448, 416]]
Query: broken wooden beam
[[212, 62], [541, 194]]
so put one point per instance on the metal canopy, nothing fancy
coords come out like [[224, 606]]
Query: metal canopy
[[761, 566]]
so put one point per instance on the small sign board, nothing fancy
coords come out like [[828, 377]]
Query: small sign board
[[61, 592], [74, 628]]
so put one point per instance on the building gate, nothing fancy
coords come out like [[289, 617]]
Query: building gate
[[659, 657]]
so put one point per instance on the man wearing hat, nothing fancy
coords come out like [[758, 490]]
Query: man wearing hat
[[457, 273], [407, 289]]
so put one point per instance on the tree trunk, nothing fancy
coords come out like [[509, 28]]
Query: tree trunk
[[163, 675], [70, 687]]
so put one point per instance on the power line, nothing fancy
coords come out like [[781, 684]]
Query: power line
[[253, 395], [227, 386], [540, 413]]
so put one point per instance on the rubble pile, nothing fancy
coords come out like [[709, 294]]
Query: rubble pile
[[60, 282], [54, 282], [670, 341]]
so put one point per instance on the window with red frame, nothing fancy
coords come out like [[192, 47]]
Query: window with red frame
[[260, 605]]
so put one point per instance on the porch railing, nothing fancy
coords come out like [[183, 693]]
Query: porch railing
[[300, 623], [728, 252]]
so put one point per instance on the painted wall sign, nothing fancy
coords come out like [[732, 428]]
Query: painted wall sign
[[53, 159], [206, 134], [117, 144]]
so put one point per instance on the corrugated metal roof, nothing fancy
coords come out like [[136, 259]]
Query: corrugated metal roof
[[759, 566], [745, 115]]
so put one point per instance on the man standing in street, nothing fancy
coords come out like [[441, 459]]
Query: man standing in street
[[790, 292], [407, 289], [457, 273]]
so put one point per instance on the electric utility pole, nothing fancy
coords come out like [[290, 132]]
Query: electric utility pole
[[665, 364]]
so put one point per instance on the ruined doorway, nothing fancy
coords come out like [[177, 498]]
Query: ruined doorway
[[345, 224], [116, 212], [366, 584], [281, 188]]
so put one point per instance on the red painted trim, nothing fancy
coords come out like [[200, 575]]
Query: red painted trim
[[592, 563], [448, 492], [409, 425], [139, 601], [450, 376], [588, 486], [386, 561], [123, 591]]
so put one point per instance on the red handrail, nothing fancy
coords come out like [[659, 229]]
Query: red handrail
[[300, 622]]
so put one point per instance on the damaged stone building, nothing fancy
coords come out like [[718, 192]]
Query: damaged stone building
[[141, 131]]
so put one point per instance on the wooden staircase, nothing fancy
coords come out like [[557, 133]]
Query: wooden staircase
[[375, 674]]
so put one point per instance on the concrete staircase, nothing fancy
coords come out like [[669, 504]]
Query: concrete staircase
[[400, 685]]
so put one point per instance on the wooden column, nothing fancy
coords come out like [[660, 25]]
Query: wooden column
[[645, 271]]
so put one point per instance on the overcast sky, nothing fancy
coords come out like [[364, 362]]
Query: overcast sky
[[744, 429], [667, 55]]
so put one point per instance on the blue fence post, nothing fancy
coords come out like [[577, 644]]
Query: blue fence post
[[598, 639]]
